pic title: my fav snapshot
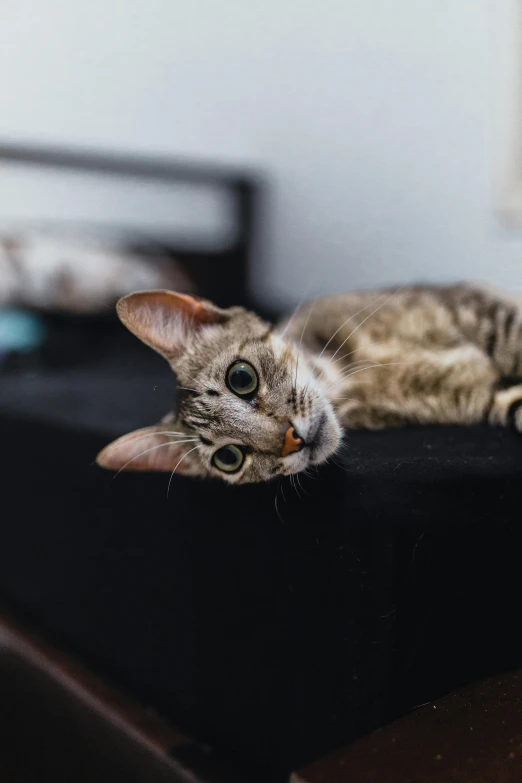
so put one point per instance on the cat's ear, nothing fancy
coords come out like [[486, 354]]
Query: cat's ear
[[164, 320], [151, 448]]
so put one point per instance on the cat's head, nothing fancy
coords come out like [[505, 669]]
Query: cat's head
[[250, 407]]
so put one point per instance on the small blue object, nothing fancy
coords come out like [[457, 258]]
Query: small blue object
[[20, 331]]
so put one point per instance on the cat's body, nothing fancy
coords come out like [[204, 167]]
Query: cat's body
[[260, 401], [422, 355]]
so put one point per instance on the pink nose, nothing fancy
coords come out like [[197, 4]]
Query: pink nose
[[292, 442]]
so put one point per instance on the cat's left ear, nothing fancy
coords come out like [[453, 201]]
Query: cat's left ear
[[152, 448], [165, 320]]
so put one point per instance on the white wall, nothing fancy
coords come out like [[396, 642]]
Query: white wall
[[372, 116]]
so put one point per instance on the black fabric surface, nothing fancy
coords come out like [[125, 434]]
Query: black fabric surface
[[273, 637], [119, 386]]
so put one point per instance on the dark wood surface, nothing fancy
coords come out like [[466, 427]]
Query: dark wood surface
[[46, 733], [70, 673], [60, 721], [471, 736]]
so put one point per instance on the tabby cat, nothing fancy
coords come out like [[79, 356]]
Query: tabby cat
[[258, 401]]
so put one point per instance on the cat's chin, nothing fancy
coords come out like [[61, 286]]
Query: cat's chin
[[326, 441]]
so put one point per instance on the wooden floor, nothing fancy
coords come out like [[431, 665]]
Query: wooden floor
[[471, 736], [60, 722]]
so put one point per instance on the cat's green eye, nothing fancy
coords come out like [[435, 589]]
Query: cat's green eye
[[242, 378], [228, 458]]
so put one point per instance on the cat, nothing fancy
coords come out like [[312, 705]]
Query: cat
[[258, 401]]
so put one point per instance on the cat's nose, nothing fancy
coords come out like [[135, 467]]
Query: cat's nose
[[292, 442]]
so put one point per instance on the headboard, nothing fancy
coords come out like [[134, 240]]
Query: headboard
[[132, 188]]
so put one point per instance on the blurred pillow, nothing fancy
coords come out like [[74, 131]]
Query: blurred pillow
[[53, 272]]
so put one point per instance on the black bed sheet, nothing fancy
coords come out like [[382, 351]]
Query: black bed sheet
[[274, 631]]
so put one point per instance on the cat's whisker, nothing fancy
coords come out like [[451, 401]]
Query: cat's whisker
[[179, 463], [282, 491], [347, 375], [187, 388], [301, 486], [152, 435], [351, 364], [297, 308], [276, 507], [175, 434], [350, 353], [190, 378], [360, 348], [293, 480], [346, 355], [350, 318], [386, 301], [351, 371], [301, 342], [338, 464], [292, 317], [359, 382], [376, 310], [331, 361], [152, 448], [353, 367]]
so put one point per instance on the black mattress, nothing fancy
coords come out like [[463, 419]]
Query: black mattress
[[274, 635]]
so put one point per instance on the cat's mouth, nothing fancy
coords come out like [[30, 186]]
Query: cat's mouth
[[321, 442], [325, 441], [316, 439]]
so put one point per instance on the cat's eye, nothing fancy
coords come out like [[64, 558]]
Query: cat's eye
[[228, 458], [242, 379]]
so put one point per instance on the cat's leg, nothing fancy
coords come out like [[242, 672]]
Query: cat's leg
[[506, 407], [487, 404], [465, 407], [492, 323], [377, 415], [456, 386]]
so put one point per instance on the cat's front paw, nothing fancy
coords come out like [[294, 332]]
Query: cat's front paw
[[506, 408]]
